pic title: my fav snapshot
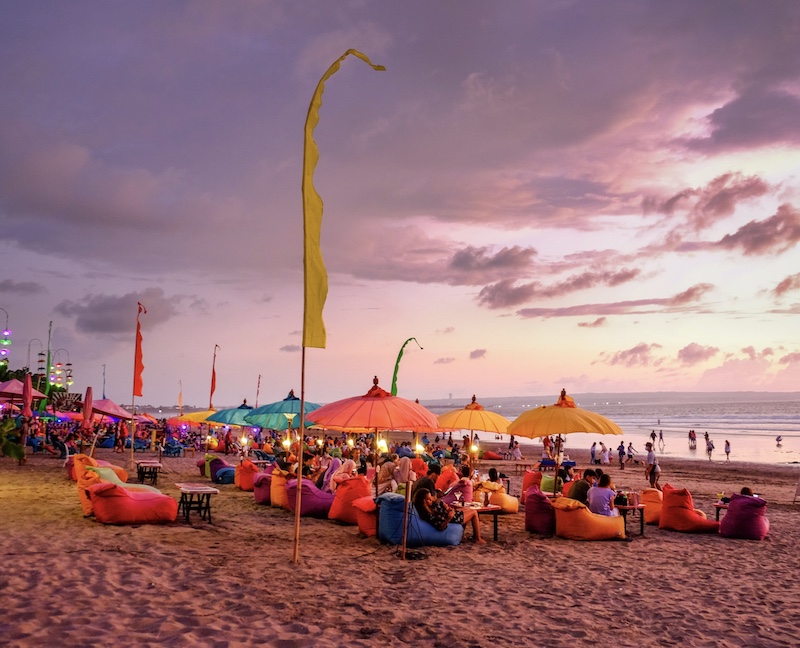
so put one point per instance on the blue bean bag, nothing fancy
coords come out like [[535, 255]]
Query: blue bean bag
[[225, 475], [420, 533], [406, 451]]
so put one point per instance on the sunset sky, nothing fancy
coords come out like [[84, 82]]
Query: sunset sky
[[601, 196]]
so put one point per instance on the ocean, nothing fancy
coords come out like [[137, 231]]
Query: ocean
[[751, 421]]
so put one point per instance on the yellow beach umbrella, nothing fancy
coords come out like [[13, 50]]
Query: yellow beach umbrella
[[474, 417]]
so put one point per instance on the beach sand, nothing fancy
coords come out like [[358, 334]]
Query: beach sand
[[70, 581]]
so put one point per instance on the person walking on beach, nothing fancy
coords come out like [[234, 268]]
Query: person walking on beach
[[653, 438], [631, 452], [709, 448], [621, 453], [593, 454], [661, 439], [652, 470], [727, 450]]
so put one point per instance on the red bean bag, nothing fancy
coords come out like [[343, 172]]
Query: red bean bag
[[491, 456], [447, 478], [245, 472], [277, 489], [115, 505], [531, 478], [746, 518], [313, 501], [678, 513], [652, 500], [366, 516], [342, 509], [419, 467], [262, 484], [540, 517], [575, 521]]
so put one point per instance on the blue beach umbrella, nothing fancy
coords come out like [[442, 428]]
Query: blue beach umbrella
[[273, 416]]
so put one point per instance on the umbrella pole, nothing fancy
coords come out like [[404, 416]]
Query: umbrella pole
[[405, 519]]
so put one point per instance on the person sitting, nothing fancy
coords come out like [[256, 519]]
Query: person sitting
[[403, 474], [747, 491], [580, 487], [428, 481], [346, 471], [386, 480], [601, 497], [484, 489], [566, 474], [516, 452], [439, 515]]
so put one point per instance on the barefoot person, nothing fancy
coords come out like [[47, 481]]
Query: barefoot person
[[652, 470], [439, 514]]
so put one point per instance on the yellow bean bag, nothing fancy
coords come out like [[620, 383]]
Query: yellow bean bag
[[277, 490], [507, 503], [490, 486], [652, 500], [575, 521], [678, 513], [245, 472]]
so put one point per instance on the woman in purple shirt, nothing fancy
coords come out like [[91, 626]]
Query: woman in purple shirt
[[601, 497]]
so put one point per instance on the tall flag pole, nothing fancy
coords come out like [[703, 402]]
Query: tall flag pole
[[397, 364], [180, 398], [138, 368], [315, 275], [43, 403], [213, 377]]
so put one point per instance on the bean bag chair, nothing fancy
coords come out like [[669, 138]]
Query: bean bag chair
[[419, 533], [115, 505], [652, 500], [216, 465], [531, 478], [507, 503], [419, 466], [244, 474], [484, 487], [446, 479], [106, 474], [548, 484], [262, 483], [81, 461], [108, 442], [332, 468], [277, 490], [746, 518], [465, 488], [366, 516], [678, 513], [490, 455], [342, 509], [313, 501], [540, 517], [567, 486], [225, 475], [99, 474], [206, 464], [406, 451], [575, 521]]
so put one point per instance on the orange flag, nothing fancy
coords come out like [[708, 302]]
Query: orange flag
[[316, 276], [138, 365], [213, 378]]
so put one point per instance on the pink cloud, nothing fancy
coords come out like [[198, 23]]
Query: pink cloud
[[600, 321], [444, 361], [640, 355], [477, 354], [789, 284], [790, 358], [778, 233], [694, 353]]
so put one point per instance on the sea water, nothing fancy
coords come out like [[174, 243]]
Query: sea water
[[751, 421]]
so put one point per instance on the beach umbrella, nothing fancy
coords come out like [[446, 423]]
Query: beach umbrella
[[232, 416], [27, 396], [13, 389], [377, 410], [108, 407], [87, 410], [194, 417], [560, 419], [273, 416], [474, 417]]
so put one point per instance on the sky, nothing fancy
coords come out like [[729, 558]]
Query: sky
[[602, 197]]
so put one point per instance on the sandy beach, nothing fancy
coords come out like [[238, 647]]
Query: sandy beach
[[70, 581]]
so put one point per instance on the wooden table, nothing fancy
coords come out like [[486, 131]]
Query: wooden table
[[720, 506], [624, 510], [196, 497], [486, 509], [148, 469]]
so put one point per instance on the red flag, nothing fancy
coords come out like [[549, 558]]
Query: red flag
[[213, 377], [138, 365]]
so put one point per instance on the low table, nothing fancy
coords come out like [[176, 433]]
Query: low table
[[720, 506], [196, 497], [624, 510], [148, 469], [486, 509]]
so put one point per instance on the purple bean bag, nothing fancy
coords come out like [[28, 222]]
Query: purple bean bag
[[459, 487], [262, 483], [540, 517], [746, 518], [313, 501], [217, 464]]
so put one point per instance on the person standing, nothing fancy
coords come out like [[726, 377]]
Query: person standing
[[652, 470], [727, 450], [709, 448], [631, 452], [661, 439], [593, 454], [621, 453]]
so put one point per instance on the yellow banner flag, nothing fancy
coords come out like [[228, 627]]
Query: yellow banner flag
[[316, 277]]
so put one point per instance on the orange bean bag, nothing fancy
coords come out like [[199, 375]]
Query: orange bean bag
[[507, 503], [490, 455], [678, 513], [419, 467], [347, 492], [575, 521], [531, 478], [366, 516], [115, 505], [245, 472], [652, 500], [446, 479], [80, 461], [277, 489]]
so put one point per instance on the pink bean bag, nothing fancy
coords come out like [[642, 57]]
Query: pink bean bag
[[678, 513], [201, 464], [465, 488], [245, 472], [313, 501], [540, 517], [531, 478], [262, 484], [342, 509], [115, 505], [746, 518], [366, 516]]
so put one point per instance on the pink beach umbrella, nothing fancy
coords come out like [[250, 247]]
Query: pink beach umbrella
[[87, 410], [27, 396]]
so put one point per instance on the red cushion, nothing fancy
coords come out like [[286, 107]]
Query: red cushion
[[366, 516], [347, 492], [678, 513], [115, 505]]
